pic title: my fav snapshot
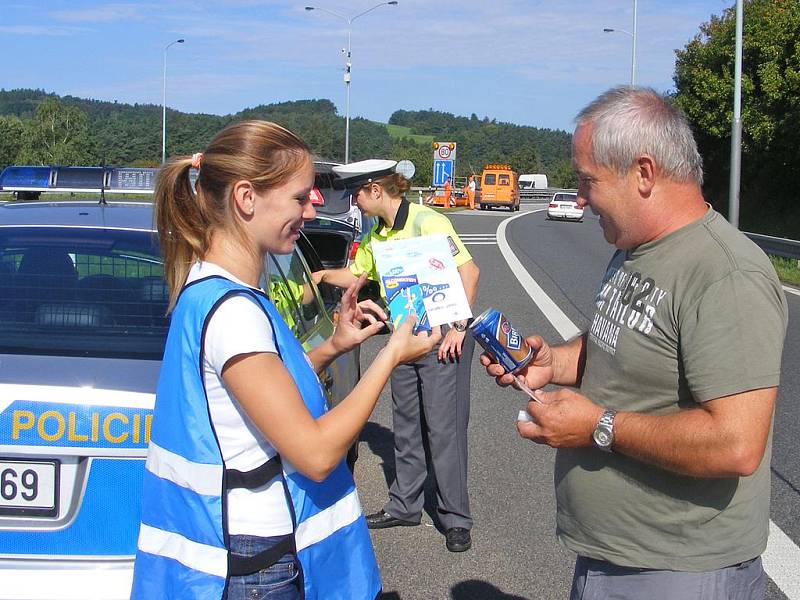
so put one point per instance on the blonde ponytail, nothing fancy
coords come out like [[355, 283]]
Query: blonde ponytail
[[261, 152]]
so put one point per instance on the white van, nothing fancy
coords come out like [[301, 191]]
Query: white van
[[533, 181]]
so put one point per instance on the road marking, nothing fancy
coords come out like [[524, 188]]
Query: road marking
[[478, 239], [562, 323], [791, 290], [780, 562], [465, 212], [782, 555]]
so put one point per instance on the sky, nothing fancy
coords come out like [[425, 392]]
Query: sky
[[529, 62]]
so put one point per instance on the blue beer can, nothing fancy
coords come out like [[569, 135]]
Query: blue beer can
[[494, 332]]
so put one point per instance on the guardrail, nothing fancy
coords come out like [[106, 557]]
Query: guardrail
[[543, 194], [775, 245]]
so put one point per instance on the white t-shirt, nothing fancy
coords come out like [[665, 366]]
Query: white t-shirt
[[239, 326]]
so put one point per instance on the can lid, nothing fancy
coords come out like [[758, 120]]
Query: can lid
[[481, 317]]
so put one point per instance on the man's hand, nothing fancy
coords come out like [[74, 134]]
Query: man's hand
[[450, 348], [536, 374], [561, 419]]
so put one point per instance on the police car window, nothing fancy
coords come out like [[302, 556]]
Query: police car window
[[489, 179], [293, 293], [81, 292]]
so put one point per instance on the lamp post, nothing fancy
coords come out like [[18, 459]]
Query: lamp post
[[736, 126], [633, 36], [164, 104], [349, 21]]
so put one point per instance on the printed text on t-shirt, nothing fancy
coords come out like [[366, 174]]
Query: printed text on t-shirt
[[625, 300]]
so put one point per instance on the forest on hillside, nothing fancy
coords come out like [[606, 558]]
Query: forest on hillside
[[37, 127]]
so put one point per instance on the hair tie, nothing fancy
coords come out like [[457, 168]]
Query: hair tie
[[197, 158]]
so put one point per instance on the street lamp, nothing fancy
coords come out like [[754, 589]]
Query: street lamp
[[736, 126], [349, 21], [633, 35], [164, 104]]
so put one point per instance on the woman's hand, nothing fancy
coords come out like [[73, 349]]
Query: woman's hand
[[357, 321], [318, 276], [407, 346]]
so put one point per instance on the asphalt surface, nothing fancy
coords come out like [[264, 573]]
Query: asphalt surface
[[515, 554]]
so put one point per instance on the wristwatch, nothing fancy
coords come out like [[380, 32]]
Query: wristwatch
[[460, 326], [603, 434]]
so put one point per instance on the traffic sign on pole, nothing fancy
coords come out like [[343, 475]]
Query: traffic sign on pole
[[444, 150], [442, 169]]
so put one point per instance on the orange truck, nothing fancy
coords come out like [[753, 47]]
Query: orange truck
[[498, 188]]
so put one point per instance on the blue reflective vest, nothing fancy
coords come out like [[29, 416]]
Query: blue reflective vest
[[182, 551]]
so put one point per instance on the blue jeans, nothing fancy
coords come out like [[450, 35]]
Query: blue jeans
[[279, 582]]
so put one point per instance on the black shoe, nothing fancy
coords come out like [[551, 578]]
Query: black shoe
[[382, 520], [458, 539]]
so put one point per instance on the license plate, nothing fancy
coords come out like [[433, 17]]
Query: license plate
[[29, 488]]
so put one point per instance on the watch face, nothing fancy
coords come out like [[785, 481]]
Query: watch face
[[602, 438]]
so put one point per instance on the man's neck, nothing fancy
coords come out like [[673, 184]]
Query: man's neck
[[677, 205]]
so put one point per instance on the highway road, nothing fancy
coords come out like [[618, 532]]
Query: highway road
[[515, 554]]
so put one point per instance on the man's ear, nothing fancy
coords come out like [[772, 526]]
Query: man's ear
[[243, 197], [645, 169]]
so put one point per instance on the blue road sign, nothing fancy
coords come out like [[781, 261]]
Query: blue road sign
[[442, 169]]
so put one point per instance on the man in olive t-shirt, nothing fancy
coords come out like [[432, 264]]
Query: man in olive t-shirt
[[662, 469]]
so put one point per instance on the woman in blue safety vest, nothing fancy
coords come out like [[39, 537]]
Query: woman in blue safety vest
[[245, 492]]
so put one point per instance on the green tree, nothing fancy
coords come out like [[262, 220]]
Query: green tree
[[57, 135], [704, 78], [562, 175], [11, 132]]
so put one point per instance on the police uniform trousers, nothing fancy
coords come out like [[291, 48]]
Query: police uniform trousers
[[430, 407]]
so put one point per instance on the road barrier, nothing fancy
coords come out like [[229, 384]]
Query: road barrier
[[776, 246]]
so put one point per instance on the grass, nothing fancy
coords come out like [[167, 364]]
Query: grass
[[788, 269], [398, 131]]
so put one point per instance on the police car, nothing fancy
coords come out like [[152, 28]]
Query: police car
[[82, 330]]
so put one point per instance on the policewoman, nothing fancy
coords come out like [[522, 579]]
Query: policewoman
[[430, 398], [245, 492]]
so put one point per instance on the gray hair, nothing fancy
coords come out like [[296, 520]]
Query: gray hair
[[629, 122]]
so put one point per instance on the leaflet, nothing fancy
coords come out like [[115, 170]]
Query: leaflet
[[419, 276]]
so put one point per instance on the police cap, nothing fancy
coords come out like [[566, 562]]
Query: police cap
[[357, 174]]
